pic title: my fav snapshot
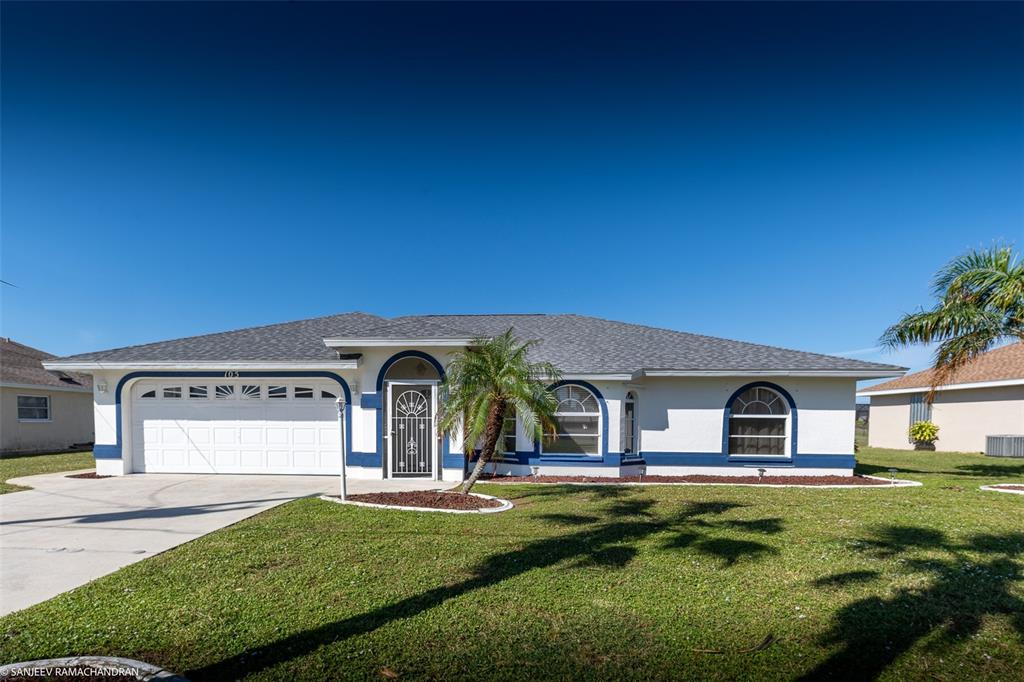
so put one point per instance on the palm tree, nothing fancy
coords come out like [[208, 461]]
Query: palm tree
[[489, 380], [981, 304]]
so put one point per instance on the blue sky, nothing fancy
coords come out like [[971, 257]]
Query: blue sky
[[787, 174]]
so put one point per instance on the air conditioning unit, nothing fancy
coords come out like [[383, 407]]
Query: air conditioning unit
[[1004, 446]]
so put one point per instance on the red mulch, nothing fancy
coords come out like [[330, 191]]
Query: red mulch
[[1008, 486], [767, 480], [429, 499], [88, 474]]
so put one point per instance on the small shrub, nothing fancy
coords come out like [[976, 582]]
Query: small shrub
[[924, 432]]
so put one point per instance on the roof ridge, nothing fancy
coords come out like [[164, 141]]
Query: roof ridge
[[408, 319], [485, 315]]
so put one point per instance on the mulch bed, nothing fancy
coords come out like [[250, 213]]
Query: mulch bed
[[1007, 486], [767, 480], [428, 499], [89, 474]]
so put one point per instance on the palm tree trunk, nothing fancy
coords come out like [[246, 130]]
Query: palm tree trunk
[[495, 420]]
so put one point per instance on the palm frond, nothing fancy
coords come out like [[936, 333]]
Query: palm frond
[[980, 304]]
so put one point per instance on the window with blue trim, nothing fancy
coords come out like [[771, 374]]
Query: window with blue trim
[[577, 421], [759, 423]]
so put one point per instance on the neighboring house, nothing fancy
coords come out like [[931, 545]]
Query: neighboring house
[[268, 400], [983, 398], [42, 410]]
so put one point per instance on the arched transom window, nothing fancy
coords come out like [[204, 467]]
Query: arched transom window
[[578, 421], [759, 423]]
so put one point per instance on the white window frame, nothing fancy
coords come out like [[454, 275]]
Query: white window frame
[[596, 414], [787, 416], [49, 408]]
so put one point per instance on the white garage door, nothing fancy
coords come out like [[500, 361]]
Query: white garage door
[[235, 426]]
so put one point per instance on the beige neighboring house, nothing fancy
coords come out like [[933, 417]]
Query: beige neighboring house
[[984, 398], [41, 410]]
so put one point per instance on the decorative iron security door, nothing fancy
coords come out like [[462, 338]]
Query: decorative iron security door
[[412, 427]]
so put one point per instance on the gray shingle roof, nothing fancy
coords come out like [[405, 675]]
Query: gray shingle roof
[[21, 364], [574, 343], [580, 345], [283, 342]]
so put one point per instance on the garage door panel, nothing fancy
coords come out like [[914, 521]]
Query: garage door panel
[[253, 459], [232, 435], [303, 436], [305, 458], [251, 435], [225, 435], [172, 457], [172, 435], [330, 437], [199, 435], [226, 458], [278, 458]]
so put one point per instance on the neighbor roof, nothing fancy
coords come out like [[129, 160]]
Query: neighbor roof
[[21, 365], [1001, 364], [574, 343]]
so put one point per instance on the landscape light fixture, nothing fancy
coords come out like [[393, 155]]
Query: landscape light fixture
[[892, 476]]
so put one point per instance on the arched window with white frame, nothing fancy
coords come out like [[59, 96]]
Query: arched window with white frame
[[577, 421], [759, 423]]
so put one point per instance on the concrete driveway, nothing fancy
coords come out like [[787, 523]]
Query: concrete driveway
[[68, 531]]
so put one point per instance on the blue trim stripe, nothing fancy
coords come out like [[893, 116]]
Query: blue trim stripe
[[760, 384], [364, 459], [115, 451]]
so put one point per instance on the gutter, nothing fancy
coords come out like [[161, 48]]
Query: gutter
[[951, 387]]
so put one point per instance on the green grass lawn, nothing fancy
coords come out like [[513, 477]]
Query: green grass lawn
[[13, 466], [584, 582]]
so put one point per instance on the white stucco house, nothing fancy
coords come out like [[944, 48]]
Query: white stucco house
[[983, 398], [287, 398]]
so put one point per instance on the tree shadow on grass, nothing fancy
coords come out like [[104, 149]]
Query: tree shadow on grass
[[609, 545], [995, 470], [875, 631]]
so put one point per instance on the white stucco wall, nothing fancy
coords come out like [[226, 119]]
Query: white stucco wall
[[964, 417], [685, 414]]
